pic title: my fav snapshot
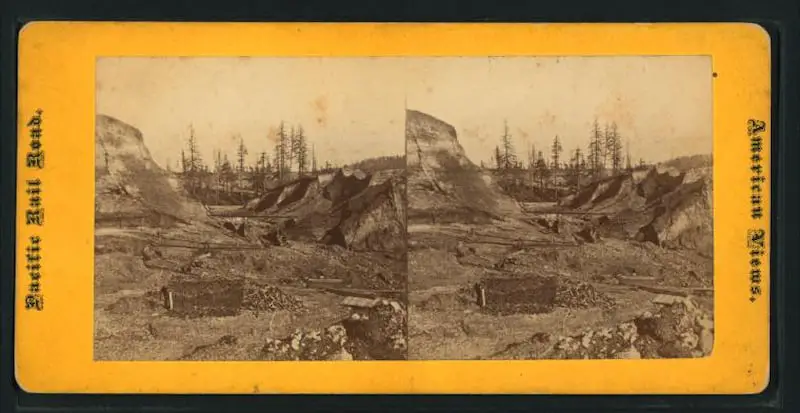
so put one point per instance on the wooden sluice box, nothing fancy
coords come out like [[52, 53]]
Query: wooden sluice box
[[507, 295], [201, 297]]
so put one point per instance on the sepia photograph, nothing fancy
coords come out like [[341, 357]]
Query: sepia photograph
[[250, 209], [270, 209], [560, 207]]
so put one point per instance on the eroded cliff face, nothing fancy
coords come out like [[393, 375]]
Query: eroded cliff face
[[441, 177], [129, 182], [665, 206]]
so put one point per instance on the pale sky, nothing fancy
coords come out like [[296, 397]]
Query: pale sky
[[350, 109], [662, 105], [353, 108]]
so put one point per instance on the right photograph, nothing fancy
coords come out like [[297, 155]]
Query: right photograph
[[560, 207]]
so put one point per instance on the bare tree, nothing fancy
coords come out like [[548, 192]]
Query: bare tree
[[556, 150], [605, 155], [578, 165], [542, 170], [509, 158], [301, 150], [595, 149], [532, 162], [313, 159], [184, 163], [241, 153], [628, 165], [227, 174], [193, 162], [281, 148], [291, 148], [614, 148]]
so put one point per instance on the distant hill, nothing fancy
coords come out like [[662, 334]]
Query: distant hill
[[685, 163], [380, 163]]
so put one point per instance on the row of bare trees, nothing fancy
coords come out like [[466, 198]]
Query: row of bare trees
[[604, 156], [292, 156]]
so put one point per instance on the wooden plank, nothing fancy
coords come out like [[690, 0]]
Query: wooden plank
[[362, 302], [325, 281], [703, 291], [624, 279], [205, 245], [365, 293], [664, 290]]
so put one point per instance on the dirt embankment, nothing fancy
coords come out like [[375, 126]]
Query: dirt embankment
[[130, 185], [442, 180], [662, 205], [349, 208], [374, 219]]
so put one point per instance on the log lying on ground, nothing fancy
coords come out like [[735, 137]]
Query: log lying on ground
[[366, 293]]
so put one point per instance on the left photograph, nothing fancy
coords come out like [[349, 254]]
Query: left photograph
[[250, 209]]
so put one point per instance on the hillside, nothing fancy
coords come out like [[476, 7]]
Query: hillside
[[129, 183], [663, 205], [350, 208], [442, 180]]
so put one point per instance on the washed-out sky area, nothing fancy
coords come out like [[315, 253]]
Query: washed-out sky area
[[353, 108], [661, 105], [350, 109]]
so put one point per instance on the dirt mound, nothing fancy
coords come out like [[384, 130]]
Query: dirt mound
[[664, 205], [298, 198], [374, 219], [348, 208], [678, 329], [130, 185], [683, 218], [441, 177], [120, 270], [376, 333], [310, 194]]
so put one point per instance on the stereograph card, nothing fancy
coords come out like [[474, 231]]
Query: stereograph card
[[393, 208]]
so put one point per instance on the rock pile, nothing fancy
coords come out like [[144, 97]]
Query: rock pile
[[676, 330], [327, 344], [575, 294], [269, 298], [376, 333], [275, 237]]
